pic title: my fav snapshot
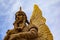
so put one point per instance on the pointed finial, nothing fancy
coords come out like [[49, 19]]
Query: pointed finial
[[20, 9]]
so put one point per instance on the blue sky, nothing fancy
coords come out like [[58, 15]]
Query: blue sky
[[50, 10]]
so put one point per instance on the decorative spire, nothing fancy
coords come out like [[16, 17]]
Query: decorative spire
[[20, 9]]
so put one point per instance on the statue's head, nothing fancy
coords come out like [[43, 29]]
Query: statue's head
[[20, 15]]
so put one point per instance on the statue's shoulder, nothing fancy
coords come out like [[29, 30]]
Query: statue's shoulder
[[31, 26], [10, 31]]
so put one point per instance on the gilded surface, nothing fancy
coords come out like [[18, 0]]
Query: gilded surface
[[36, 29]]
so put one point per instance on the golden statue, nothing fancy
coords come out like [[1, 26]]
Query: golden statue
[[36, 29]]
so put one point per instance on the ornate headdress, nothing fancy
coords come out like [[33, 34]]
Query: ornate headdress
[[20, 12]]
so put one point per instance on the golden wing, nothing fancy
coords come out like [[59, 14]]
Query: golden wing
[[37, 17], [38, 20]]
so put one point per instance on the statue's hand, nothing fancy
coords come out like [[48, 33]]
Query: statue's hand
[[14, 37], [19, 29]]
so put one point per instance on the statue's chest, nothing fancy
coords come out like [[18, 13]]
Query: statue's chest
[[25, 29]]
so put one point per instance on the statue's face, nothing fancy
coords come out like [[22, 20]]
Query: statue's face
[[19, 17]]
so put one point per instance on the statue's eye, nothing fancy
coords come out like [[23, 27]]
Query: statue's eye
[[19, 14]]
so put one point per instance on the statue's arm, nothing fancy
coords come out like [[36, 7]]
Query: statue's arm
[[8, 33], [33, 33], [30, 34]]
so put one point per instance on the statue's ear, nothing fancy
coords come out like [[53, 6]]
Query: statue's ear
[[37, 18]]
